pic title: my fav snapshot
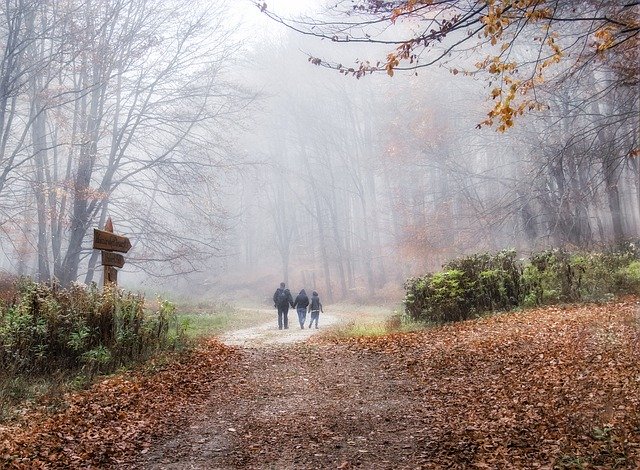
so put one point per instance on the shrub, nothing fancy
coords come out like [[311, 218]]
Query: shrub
[[628, 278], [494, 281], [81, 328], [552, 276], [489, 282], [467, 286]]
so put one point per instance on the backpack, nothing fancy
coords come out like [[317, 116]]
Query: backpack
[[282, 298]]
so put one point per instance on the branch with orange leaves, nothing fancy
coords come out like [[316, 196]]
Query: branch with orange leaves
[[564, 31]]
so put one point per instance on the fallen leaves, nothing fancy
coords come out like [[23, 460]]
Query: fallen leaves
[[116, 418], [525, 389], [556, 387]]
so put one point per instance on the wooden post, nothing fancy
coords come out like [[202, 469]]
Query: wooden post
[[108, 242], [110, 276]]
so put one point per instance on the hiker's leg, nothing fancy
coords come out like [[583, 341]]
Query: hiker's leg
[[302, 314], [279, 319], [285, 314], [300, 318]]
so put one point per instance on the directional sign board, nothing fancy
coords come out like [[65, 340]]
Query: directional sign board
[[112, 259], [110, 241]]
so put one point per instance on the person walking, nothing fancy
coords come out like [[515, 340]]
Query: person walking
[[281, 300], [315, 307], [301, 303]]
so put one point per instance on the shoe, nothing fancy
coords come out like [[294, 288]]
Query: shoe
[[302, 327]]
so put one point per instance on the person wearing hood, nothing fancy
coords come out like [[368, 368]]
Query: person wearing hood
[[281, 300], [315, 307], [301, 303]]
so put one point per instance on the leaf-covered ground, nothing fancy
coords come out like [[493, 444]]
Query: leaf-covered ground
[[118, 417], [547, 388]]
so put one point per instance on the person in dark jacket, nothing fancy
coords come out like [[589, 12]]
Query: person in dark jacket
[[301, 303], [281, 300], [315, 307]]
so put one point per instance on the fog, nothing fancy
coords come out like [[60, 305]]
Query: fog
[[233, 163]]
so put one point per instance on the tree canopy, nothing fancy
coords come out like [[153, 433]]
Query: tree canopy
[[518, 44]]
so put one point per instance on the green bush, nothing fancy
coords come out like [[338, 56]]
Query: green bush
[[486, 282], [467, 286], [493, 281], [628, 278], [47, 329]]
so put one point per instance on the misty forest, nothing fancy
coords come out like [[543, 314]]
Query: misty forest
[[457, 182]]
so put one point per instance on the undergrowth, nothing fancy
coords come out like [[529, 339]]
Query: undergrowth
[[51, 336], [481, 283]]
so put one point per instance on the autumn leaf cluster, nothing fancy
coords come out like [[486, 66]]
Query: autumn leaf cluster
[[520, 43]]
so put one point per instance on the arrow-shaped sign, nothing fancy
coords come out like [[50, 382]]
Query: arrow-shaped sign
[[112, 259], [110, 241]]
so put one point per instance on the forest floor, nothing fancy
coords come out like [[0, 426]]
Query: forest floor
[[557, 387]]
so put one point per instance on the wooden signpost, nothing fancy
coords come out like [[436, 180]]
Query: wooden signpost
[[112, 259], [108, 242]]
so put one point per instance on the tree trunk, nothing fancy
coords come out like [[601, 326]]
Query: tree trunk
[[323, 244]]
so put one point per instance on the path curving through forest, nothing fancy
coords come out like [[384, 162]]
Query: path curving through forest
[[268, 333]]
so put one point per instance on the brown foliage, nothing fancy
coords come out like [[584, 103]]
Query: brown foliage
[[7, 287], [551, 386], [117, 417]]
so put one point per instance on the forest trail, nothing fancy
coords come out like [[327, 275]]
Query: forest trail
[[487, 394], [302, 406], [268, 333]]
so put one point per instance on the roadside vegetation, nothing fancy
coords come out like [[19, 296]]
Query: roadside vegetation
[[470, 286], [53, 339], [483, 283], [210, 318]]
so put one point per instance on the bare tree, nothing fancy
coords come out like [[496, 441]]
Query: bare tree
[[129, 105]]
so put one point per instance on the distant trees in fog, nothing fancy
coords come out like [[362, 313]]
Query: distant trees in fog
[[389, 177]]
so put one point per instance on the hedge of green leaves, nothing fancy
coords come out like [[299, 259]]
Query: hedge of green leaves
[[46, 328], [486, 282]]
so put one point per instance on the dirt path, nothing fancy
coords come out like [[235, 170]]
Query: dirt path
[[491, 393], [299, 404], [268, 333], [302, 406]]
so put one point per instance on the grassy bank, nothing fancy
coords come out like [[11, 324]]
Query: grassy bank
[[209, 318]]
